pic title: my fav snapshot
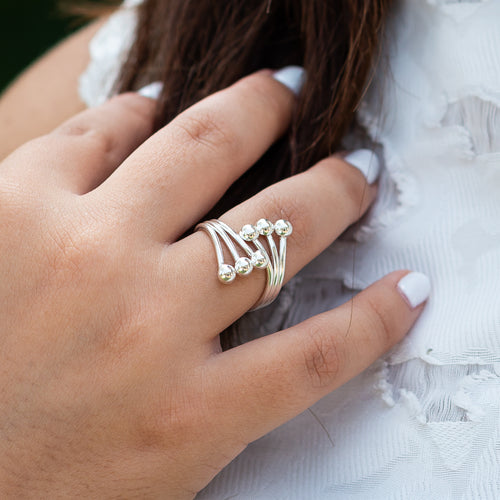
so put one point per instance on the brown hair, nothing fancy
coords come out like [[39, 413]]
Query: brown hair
[[197, 47]]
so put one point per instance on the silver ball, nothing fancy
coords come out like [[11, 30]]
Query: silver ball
[[249, 232], [259, 260], [243, 266], [227, 273], [283, 228], [264, 227]]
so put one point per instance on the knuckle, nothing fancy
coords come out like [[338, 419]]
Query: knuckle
[[273, 99], [323, 355], [95, 130], [206, 128], [279, 205], [96, 138], [135, 107]]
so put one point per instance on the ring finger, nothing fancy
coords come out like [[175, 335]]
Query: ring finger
[[320, 203]]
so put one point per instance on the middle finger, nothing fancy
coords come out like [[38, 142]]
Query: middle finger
[[176, 176]]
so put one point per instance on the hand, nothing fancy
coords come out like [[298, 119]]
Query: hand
[[112, 380]]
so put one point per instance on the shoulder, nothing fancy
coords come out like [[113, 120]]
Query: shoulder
[[77, 73], [46, 93]]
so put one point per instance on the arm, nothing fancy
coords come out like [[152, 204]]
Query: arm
[[46, 94]]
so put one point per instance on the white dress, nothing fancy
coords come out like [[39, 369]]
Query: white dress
[[424, 421]]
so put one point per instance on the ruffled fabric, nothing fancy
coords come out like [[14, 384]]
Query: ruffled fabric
[[424, 421], [108, 51]]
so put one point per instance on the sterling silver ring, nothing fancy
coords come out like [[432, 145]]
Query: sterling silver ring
[[246, 258]]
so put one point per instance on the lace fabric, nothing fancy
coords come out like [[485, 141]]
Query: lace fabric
[[424, 421]]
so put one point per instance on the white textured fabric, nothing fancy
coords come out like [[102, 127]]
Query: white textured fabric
[[108, 51], [424, 422]]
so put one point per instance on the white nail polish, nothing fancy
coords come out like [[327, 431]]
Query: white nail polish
[[153, 90], [415, 289], [367, 162], [292, 77]]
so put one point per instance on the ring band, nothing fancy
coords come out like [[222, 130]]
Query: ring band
[[271, 259]]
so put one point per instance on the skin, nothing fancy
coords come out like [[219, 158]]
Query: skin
[[112, 380], [36, 102]]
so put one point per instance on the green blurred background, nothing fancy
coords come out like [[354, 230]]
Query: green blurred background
[[27, 29]]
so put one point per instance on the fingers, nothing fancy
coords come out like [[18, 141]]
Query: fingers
[[320, 203], [84, 150], [183, 170], [271, 380]]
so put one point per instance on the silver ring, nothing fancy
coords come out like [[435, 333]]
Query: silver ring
[[246, 258]]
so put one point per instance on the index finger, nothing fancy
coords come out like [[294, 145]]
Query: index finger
[[80, 153]]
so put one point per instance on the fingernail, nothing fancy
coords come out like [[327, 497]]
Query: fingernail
[[153, 90], [292, 77], [415, 289], [367, 162]]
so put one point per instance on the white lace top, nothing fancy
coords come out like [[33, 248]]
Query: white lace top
[[424, 422]]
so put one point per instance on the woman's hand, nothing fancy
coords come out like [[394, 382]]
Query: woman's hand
[[112, 381]]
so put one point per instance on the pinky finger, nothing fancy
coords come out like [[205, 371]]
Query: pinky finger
[[271, 380]]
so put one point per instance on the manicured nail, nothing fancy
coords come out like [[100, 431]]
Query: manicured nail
[[292, 77], [153, 90], [415, 289], [367, 162]]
